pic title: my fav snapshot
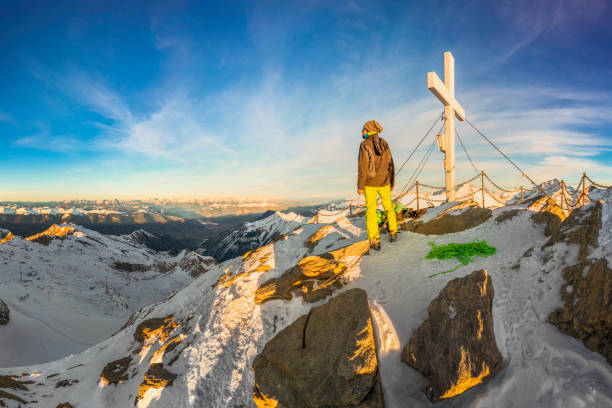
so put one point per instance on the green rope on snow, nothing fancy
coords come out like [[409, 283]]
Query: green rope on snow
[[463, 252]]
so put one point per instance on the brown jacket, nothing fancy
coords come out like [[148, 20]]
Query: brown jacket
[[375, 163]]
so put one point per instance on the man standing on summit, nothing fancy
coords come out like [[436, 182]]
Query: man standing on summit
[[376, 177]]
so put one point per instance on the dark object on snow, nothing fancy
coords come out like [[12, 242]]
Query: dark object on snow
[[326, 358], [115, 372], [155, 377], [447, 222], [455, 347], [587, 310], [64, 405], [5, 313]]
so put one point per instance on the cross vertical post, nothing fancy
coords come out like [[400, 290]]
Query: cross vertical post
[[445, 92]]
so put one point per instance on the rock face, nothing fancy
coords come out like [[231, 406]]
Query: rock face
[[587, 310], [4, 313], [455, 347], [155, 377], [580, 228], [314, 277], [324, 359]]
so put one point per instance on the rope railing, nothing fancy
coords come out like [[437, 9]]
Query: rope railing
[[496, 186], [468, 181], [565, 200], [597, 184], [434, 187]]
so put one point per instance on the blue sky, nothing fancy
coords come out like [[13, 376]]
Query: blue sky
[[237, 98]]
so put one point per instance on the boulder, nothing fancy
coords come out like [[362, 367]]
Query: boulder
[[314, 277], [116, 371], [455, 221], [4, 313], [587, 310], [454, 348], [326, 358]]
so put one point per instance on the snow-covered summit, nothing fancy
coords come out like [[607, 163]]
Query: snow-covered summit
[[252, 235], [196, 347]]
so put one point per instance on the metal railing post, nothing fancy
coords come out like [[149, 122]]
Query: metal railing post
[[584, 188], [417, 197], [483, 191], [521, 194]]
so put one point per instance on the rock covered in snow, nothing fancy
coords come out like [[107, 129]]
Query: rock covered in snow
[[195, 264], [581, 228], [4, 313], [587, 310], [326, 358], [314, 277], [455, 347]]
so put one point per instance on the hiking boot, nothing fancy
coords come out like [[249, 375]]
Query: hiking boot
[[393, 237], [375, 245]]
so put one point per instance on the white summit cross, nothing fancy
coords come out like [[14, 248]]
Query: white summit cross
[[446, 94]]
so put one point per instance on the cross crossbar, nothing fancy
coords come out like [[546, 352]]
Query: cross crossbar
[[437, 87]]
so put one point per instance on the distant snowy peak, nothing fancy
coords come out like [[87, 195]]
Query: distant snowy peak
[[277, 219], [252, 235]]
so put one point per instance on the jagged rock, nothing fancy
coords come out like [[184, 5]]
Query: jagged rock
[[551, 221], [115, 372], [321, 233], [314, 277], [580, 228], [196, 264], [156, 328], [544, 204], [65, 383], [129, 267], [587, 310], [455, 347], [155, 377], [5, 313], [326, 358], [5, 236], [448, 222]]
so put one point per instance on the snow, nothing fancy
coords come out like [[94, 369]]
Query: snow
[[57, 293], [542, 367]]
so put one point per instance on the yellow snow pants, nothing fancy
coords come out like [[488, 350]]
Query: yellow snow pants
[[371, 197]]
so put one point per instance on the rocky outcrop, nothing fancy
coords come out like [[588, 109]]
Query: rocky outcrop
[[314, 277], [116, 371], [326, 358], [587, 310], [580, 228], [455, 347], [5, 313], [455, 219], [155, 377], [551, 222], [544, 204], [196, 265]]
